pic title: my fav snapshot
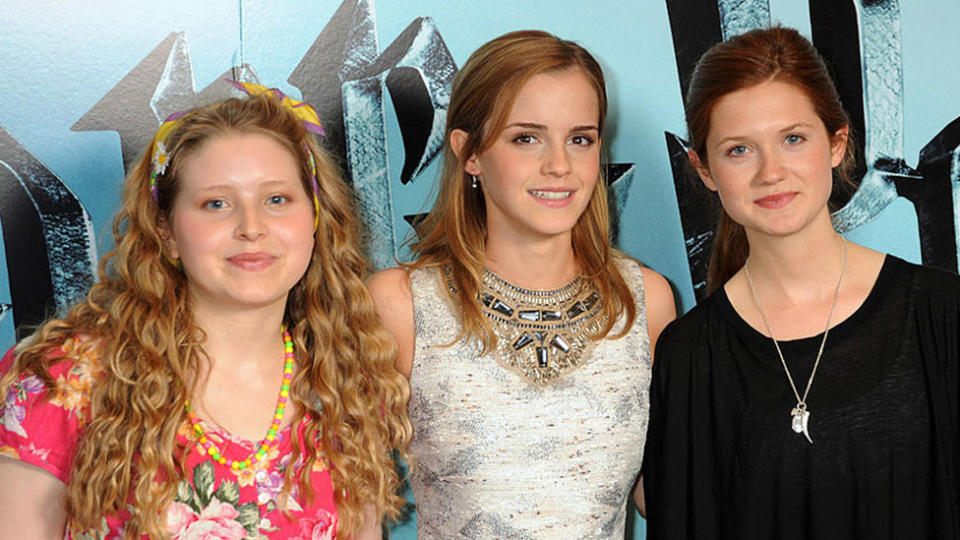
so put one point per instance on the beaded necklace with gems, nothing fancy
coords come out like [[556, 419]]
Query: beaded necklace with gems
[[542, 335], [264, 446]]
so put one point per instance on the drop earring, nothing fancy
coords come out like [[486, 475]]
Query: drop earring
[[474, 182], [176, 263]]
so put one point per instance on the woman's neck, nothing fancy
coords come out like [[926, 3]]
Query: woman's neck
[[800, 268], [241, 339], [246, 352], [795, 280], [546, 264]]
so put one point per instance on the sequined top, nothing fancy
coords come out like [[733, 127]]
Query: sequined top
[[499, 457]]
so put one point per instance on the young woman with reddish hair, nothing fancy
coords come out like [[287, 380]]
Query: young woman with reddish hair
[[814, 393]]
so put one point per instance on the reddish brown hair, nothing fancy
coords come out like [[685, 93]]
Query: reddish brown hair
[[770, 54]]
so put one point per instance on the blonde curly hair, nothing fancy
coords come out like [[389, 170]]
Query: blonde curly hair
[[151, 349]]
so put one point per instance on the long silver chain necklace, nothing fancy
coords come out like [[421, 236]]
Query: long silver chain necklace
[[800, 416]]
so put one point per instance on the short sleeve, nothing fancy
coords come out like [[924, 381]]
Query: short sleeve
[[680, 468], [937, 319], [41, 426]]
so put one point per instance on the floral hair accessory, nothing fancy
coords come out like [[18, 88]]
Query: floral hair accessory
[[303, 111], [316, 188], [160, 157]]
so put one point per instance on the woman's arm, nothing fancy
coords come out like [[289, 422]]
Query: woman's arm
[[32, 502], [661, 309], [638, 497], [372, 527], [393, 299]]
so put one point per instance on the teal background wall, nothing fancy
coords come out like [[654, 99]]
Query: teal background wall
[[60, 61]]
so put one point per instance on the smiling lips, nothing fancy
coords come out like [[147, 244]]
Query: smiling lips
[[551, 197], [252, 261], [777, 200]]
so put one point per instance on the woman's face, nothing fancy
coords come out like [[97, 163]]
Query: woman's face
[[541, 170], [770, 158], [242, 223]]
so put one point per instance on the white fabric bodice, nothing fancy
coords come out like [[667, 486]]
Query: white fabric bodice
[[498, 457]]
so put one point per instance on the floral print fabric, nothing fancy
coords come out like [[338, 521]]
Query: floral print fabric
[[213, 502]]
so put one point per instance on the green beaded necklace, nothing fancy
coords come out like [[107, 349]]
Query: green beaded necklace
[[264, 446]]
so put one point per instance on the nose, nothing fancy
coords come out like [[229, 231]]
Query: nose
[[771, 168], [250, 225], [556, 162]]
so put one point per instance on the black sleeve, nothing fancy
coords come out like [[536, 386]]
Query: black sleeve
[[937, 320], [680, 470]]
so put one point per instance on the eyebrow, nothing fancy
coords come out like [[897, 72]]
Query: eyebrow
[[791, 127], [230, 186], [534, 125], [795, 126], [215, 187]]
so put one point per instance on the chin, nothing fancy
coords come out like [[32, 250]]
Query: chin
[[780, 231], [258, 299], [779, 226], [561, 226], [552, 232]]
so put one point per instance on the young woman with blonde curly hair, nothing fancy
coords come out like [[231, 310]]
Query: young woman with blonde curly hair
[[233, 304], [526, 336]]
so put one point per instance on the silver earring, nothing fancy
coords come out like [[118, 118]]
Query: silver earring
[[474, 182]]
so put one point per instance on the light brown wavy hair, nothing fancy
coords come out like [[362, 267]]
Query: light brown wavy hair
[[152, 352], [453, 234], [755, 57]]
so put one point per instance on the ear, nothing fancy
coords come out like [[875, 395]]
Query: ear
[[702, 170], [166, 238], [458, 139], [838, 145]]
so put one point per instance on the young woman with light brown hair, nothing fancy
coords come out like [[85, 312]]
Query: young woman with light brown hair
[[813, 394], [526, 336], [233, 303]]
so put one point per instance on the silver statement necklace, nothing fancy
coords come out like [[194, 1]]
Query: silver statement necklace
[[800, 416], [542, 335]]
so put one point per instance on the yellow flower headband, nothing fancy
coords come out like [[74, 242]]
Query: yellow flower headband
[[303, 111]]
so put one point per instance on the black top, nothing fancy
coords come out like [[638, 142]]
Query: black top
[[723, 462]]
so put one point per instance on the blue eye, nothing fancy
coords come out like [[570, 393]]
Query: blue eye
[[793, 138], [738, 150], [278, 199], [215, 204]]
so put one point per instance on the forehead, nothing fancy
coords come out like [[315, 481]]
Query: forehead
[[557, 97], [239, 158], [768, 105]]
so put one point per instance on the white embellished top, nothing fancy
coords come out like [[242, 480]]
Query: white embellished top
[[497, 456]]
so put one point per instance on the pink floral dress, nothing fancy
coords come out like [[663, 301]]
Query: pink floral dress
[[214, 502]]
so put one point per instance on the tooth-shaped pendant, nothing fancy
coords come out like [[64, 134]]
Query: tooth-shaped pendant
[[800, 422]]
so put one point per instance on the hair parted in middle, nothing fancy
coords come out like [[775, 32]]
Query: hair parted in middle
[[453, 234], [755, 57], [139, 314]]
